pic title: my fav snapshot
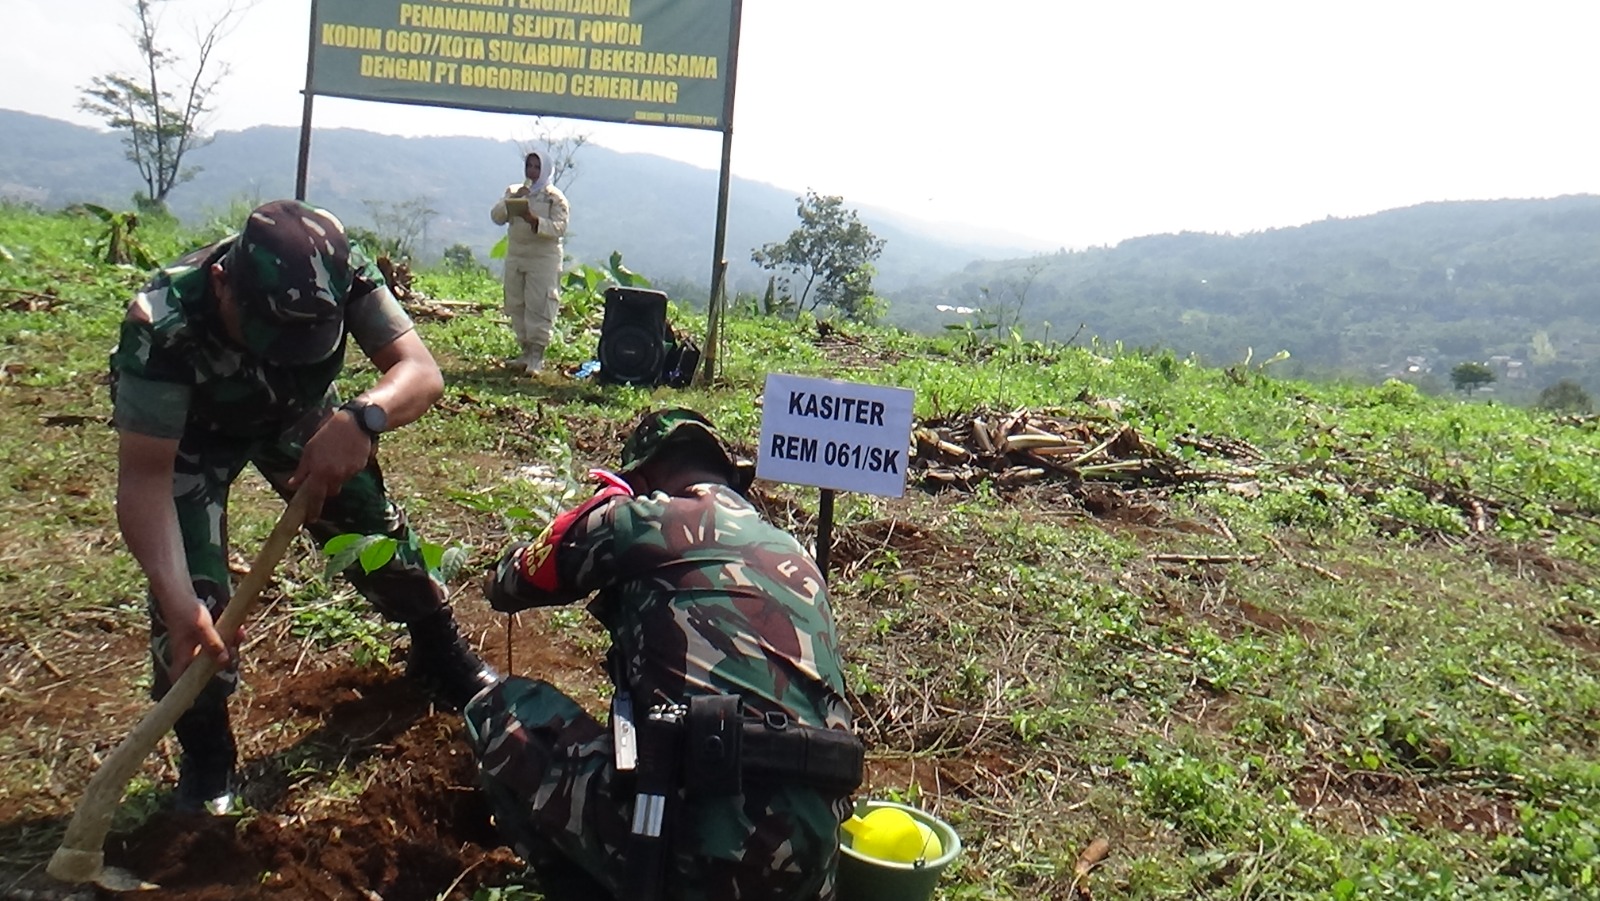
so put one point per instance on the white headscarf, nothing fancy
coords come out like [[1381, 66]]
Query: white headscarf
[[545, 172]]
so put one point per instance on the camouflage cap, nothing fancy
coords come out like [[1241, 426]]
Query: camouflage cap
[[676, 425], [290, 271]]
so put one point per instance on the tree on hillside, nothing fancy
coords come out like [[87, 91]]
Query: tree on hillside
[[1470, 376], [399, 227], [1566, 396], [161, 123], [1009, 295], [832, 251], [460, 258]]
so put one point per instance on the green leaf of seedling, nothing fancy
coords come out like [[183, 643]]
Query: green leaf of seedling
[[518, 512], [349, 549], [454, 558], [377, 554], [339, 542], [477, 502], [432, 555], [498, 251]]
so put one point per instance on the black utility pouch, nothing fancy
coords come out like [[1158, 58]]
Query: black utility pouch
[[835, 761], [713, 752], [832, 761]]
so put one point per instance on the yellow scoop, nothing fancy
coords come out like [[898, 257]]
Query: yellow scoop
[[888, 833]]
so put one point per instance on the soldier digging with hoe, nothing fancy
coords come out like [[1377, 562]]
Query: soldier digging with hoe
[[226, 358]]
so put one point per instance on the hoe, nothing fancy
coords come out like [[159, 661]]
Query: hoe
[[81, 857]]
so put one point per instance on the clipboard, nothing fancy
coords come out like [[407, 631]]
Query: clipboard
[[516, 206]]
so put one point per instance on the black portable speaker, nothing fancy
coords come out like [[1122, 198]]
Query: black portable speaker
[[633, 336]]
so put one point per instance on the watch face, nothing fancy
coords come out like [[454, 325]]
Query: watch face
[[373, 418]]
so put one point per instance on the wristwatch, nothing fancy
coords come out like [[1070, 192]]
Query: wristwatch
[[369, 416]]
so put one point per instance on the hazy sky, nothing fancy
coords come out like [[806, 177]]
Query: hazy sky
[[1068, 121]]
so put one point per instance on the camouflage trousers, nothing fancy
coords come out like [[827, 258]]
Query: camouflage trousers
[[548, 770], [207, 466]]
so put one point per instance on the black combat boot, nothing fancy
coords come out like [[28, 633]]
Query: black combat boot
[[206, 781], [445, 664]]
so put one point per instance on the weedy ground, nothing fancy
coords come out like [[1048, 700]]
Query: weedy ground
[[1343, 642]]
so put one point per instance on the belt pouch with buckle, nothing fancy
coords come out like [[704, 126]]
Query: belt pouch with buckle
[[713, 756]]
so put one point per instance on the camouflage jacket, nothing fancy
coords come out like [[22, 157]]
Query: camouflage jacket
[[700, 594], [175, 372]]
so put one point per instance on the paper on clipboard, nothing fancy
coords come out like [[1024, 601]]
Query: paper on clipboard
[[516, 206]]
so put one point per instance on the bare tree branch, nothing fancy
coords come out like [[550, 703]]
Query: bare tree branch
[[160, 129], [559, 148]]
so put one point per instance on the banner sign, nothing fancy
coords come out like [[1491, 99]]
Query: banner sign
[[652, 62], [832, 434]]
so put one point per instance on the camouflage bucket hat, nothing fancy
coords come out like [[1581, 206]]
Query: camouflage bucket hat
[[290, 270], [663, 427]]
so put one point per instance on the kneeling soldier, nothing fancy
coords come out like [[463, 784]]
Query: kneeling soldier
[[730, 759]]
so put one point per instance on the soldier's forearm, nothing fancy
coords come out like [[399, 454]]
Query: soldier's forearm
[[508, 590], [149, 524], [148, 516], [411, 381]]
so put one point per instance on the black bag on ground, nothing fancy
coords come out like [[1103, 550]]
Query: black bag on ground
[[683, 357]]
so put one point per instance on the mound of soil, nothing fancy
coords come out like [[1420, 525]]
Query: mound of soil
[[354, 786], [416, 831]]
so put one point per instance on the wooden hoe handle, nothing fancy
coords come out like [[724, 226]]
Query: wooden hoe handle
[[81, 856]]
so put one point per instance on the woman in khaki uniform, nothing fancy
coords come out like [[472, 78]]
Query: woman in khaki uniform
[[536, 211]]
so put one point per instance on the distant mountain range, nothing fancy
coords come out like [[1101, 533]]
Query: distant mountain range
[[659, 213], [1407, 293]]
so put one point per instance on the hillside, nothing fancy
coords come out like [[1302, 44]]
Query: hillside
[[660, 213], [1138, 628], [1406, 293]]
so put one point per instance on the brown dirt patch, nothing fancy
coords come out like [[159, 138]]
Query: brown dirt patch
[[404, 820], [1528, 560], [1581, 635], [1356, 800], [850, 352]]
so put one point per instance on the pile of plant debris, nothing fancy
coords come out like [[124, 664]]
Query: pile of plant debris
[[1025, 446], [1090, 453]]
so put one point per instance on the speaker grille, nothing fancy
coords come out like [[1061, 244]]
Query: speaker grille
[[633, 336], [632, 355]]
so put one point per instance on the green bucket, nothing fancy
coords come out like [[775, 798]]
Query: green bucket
[[863, 878]]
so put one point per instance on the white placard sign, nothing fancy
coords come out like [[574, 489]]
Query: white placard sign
[[831, 434]]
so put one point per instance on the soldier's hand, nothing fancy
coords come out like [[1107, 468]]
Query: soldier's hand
[[190, 631], [338, 450]]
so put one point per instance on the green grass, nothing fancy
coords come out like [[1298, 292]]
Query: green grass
[[1388, 687]]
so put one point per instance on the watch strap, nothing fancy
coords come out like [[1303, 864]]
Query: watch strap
[[357, 409]]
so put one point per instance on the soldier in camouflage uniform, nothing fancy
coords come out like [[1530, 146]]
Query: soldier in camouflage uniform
[[227, 358], [701, 597]]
